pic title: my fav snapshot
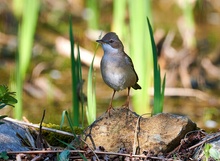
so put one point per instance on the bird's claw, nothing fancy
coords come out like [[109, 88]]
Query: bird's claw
[[126, 105], [109, 109]]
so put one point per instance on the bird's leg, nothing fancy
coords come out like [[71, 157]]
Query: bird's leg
[[110, 104], [128, 99]]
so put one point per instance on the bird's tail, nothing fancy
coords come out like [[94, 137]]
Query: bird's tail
[[136, 86]]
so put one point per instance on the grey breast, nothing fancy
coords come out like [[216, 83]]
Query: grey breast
[[117, 74]]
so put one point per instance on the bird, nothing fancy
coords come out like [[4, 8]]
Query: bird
[[117, 68]]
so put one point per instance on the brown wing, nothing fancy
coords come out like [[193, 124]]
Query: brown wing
[[129, 61]]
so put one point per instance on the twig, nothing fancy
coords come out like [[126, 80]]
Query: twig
[[137, 130], [90, 149], [38, 126], [202, 142], [39, 140], [43, 151], [82, 151]]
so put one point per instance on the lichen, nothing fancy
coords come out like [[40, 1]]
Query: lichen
[[53, 138]]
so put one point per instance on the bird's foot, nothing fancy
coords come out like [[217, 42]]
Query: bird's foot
[[109, 109], [126, 105]]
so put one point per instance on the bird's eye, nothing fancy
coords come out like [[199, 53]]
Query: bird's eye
[[111, 41]]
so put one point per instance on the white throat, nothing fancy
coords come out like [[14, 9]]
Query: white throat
[[109, 49]]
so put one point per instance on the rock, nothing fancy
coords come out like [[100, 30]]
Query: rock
[[12, 136], [213, 148], [125, 129]]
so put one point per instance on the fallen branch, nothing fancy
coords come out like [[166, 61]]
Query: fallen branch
[[85, 152], [38, 126]]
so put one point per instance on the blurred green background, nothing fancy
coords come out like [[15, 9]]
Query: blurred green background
[[186, 34]]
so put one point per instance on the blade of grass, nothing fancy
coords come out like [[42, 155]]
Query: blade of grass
[[91, 94], [62, 118], [25, 37], [80, 85], [71, 146], [141, 54], [162, 93], [93, 14], [66, 114], [63, 156], [158, 91], [119, 10], [75, 78], [17, 6], [187, 8]]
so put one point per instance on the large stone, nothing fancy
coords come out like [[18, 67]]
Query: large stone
[[125, 129], [12, 136]]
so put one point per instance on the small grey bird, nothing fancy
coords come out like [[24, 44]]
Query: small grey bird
[[116, 67]]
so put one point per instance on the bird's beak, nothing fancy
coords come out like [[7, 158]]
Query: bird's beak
[[99, 41]]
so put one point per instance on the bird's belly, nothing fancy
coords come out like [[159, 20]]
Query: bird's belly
[[118, 79], [117, 74]]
